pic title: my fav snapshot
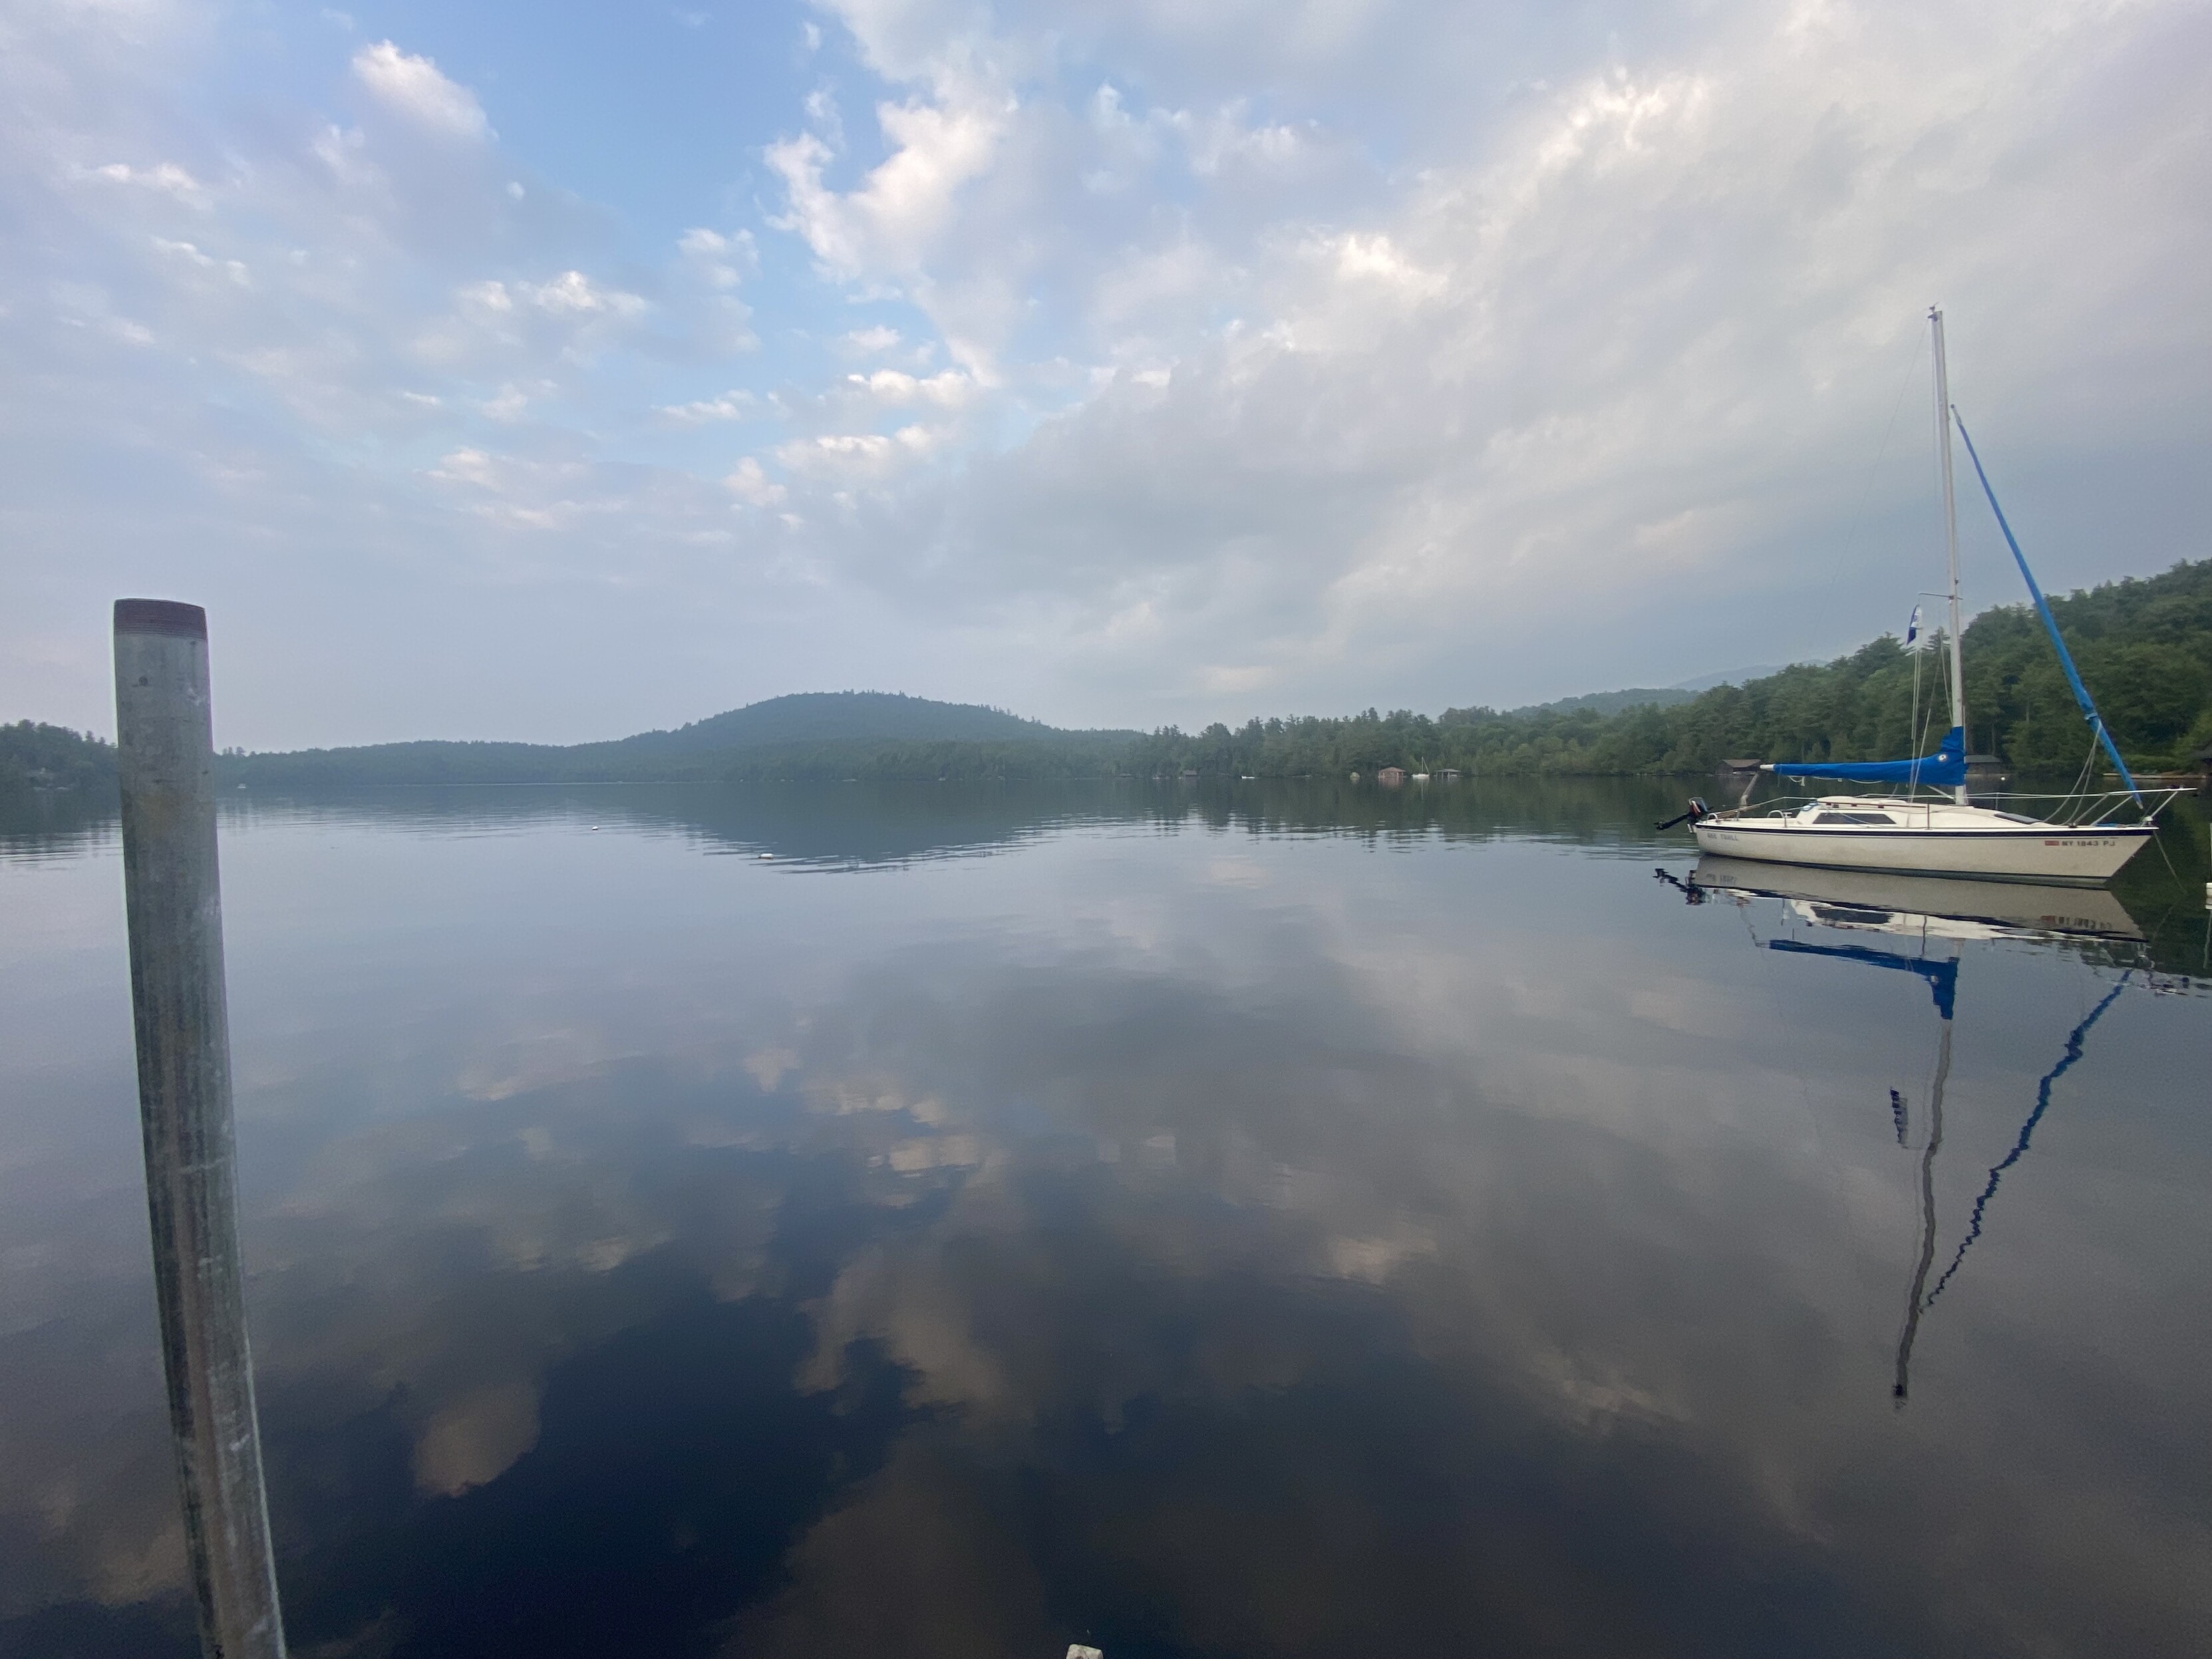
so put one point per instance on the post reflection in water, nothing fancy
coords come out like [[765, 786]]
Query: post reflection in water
[[1279, 1221]]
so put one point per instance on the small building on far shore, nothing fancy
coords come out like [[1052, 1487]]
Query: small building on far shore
[[1392, 776]]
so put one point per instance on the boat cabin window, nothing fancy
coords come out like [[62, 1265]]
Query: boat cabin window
[[1855, 818], [2018, 818]]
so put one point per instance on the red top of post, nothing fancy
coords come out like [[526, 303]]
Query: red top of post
[[172, 616]]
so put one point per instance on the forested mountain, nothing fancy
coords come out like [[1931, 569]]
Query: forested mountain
[[813, 717], [816, 734]]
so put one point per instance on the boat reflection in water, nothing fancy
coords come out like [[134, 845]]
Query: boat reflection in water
[[1922, 922], [1929, 906]]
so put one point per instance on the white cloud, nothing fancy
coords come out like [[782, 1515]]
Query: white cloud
[[573, 294], [1375, 258], [723, 261], [1227, 140], [491, 297], [847, 457], [950, 390], [167, 177], [891, 222], [751, 485], [824, 117], [510, 404], [414, 87], [465, 467], [737, 405]]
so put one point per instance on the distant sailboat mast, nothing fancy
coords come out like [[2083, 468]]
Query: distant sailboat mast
[[1950, 529]]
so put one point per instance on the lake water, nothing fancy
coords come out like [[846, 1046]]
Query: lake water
[[1293, 1220]]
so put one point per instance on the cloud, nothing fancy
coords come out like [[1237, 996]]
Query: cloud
[[751, 485], [844, 459], [572, 294], [737, 405], [413, 87], [1211, 359], [1374, 259], [951, 389], [891, 222], [1625, 306], [165, 177], [723, 261]]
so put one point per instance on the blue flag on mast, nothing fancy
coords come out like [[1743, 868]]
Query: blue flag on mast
[[1912, 629]]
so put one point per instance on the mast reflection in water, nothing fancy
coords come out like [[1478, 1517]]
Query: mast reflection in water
[[1279, 1221], [1928, 942]]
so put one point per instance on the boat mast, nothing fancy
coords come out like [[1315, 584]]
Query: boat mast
[[1950, 528]]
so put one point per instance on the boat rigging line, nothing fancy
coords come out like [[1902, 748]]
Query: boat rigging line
[[2050, 623], [2026, 1131]]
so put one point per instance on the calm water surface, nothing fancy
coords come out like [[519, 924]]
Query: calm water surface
[[1287, 1222]]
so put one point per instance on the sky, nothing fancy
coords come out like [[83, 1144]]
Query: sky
[[560, 371]]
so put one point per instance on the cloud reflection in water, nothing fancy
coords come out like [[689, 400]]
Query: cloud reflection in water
[[1460, 1252]]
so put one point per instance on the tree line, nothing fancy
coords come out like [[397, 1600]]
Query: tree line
[[36, 756], [2144, 646]]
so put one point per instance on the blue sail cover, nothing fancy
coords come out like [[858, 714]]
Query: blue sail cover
[[1944, 770], [1942, 976]]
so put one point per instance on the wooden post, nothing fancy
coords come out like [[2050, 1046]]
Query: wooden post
[[165, 759]]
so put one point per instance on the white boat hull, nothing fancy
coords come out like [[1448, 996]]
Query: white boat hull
[[2088, 854]]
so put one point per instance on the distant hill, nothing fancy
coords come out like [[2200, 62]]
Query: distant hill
[[1612, 703], [1730, 677], [1648, 697], [809, 735], [841, 717]]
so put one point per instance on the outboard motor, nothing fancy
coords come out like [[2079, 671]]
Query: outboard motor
[[1697, 809]]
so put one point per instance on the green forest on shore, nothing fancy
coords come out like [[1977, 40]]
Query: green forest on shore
[[2144, 646]]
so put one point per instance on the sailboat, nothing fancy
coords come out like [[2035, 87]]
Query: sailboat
[[1938, 833]]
